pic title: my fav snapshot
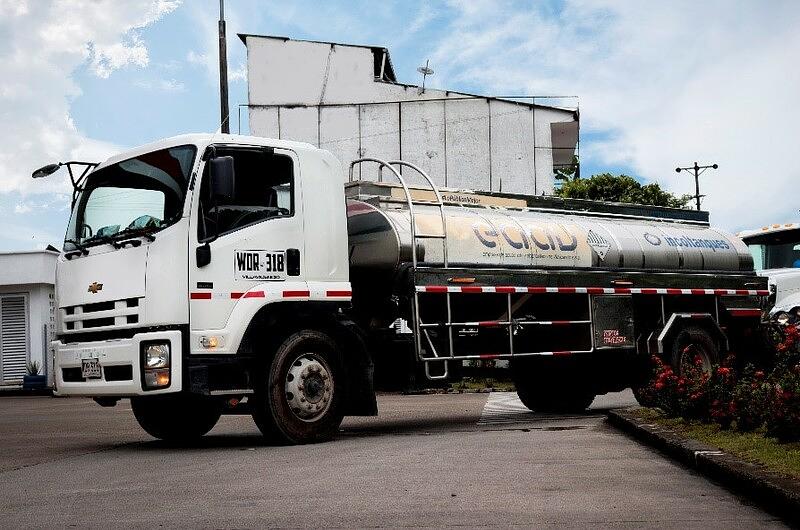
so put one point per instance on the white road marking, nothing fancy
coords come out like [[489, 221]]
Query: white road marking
[[504, 407]]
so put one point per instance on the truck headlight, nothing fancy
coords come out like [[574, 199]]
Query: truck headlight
[[155, 365], [156, 356]]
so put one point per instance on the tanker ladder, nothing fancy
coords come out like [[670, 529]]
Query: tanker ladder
[[395, 167]]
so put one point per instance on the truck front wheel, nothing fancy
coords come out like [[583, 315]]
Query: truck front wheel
[[300, 400], [176, 417]]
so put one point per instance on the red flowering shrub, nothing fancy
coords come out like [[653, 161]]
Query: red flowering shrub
[[782, 401], [746, 399]]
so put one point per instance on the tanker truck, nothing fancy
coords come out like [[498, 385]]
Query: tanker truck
[[212, 274]]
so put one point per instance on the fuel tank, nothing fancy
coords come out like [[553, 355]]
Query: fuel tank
[[509, 233]]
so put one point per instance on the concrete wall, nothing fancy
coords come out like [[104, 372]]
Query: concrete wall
[[327, 95]]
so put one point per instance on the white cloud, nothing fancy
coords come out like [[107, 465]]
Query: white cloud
[[672, 82], [164, 85], [43, 43]]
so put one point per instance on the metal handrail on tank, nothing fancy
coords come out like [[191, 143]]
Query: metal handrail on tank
[[439, 204], [409, 201]]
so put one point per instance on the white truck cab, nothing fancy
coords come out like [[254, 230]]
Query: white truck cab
[[776, 255], [161, 266]]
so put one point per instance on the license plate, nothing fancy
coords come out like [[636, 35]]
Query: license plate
[[90, 369], [260, 265]]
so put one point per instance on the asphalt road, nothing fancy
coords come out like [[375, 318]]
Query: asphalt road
[[426, 461]]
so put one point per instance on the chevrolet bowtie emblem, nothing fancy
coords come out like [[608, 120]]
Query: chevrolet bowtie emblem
[[94, 287]]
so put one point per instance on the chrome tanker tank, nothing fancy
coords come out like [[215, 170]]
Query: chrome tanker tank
[[507, 231]]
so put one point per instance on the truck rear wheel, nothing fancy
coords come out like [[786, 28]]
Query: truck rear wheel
[[542, 389], [300, 400], [691, 344], [176, 417]]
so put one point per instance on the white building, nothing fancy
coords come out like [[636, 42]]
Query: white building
[[27, 317], [346, 99]]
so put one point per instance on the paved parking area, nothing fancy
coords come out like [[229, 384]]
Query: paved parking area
[[432, 460]]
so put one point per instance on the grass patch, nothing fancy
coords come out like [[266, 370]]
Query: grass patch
[[479, 383], [752, 447]]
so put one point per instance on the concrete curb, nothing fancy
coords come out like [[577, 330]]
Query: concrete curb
[[772, 491]]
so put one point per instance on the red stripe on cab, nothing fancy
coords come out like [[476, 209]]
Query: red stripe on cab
[[338, 293], [296, 294], [200, 296]]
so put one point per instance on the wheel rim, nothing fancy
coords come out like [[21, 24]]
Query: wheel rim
[[693, 351], [309, 387]]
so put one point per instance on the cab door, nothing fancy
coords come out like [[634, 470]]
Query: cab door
[[255, 237]]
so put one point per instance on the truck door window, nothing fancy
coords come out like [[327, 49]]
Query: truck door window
[[263, 190]]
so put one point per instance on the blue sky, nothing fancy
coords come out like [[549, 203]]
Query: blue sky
[[91, 78]]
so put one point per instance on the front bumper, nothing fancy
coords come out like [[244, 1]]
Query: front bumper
[[115, 355]]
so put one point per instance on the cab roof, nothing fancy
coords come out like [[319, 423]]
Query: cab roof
[[201, 140], [769, 229]]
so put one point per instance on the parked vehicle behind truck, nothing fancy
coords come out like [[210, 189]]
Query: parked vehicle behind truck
[[776, 255], [204, 275]]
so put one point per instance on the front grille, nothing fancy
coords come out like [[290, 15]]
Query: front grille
[[98, 322], [101, 315], [99, 306]]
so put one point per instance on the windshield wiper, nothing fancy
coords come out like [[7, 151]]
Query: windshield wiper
[[129, 235], [98, 240], [144, 232]]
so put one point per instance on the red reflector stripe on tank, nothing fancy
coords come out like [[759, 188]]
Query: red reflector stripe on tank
[[743, 312], [589, 290]]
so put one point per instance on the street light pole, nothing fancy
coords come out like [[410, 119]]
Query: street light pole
[[697, 170], [223, 72]]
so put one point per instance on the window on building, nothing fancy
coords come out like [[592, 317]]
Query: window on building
[[263, 190], [13, 337]]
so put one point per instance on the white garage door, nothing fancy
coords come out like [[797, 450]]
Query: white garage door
[[13, 338]]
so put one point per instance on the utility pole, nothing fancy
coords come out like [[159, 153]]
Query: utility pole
[[697, 170], [223, 72]]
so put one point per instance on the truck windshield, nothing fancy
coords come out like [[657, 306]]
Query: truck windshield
[[141, 194], [775, 251]]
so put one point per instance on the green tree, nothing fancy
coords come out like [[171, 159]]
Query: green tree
[[617, 188]]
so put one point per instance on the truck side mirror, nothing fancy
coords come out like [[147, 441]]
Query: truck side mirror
[[223, 177]]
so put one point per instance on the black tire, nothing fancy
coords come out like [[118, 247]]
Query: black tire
[[693, 341], [176, 417], [542, 390], [278, 412]]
